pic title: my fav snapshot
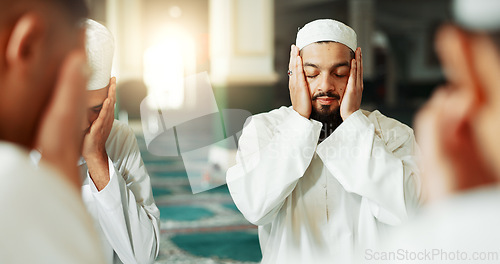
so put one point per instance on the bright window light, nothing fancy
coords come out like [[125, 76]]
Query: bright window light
[[165, 66]]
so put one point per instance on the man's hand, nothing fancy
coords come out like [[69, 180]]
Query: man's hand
[[59, 136], [351, 100], [449, 160], [94, 143], [299, 90]]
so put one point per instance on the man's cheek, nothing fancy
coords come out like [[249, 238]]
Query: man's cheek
[[92, 117], [311, 86]]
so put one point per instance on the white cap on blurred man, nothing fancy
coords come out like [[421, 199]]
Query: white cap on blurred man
[[482, 15], [100, 48]]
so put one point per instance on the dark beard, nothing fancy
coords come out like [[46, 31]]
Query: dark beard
[[330, 120]]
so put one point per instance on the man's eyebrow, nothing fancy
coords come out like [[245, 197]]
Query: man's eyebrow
[[340, 64], [308, 64], [97, 106]]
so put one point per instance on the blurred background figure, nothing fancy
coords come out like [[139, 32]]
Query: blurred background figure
[[116, 186], [43, 75], [457, 132], [244, 46]]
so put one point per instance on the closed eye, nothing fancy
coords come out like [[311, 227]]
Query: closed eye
[[312, 76], [96, 109]]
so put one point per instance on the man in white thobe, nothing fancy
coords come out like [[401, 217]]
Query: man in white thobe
[[458, 132], [322, 179], [116, 187], [42, 80]]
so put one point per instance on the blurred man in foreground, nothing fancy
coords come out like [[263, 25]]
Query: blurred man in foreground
[[42, 80], [458, 134]]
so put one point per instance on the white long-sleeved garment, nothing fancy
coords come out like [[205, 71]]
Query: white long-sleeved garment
[[321, 203], [43, 217], [461, 229], [124, 211]]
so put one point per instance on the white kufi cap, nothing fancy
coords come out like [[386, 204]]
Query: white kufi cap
[[326, 30], [99, 47], [477, 14]]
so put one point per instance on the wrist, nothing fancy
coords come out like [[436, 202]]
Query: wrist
[[96, 157], [98, 168], [347, 114], [303, 113]]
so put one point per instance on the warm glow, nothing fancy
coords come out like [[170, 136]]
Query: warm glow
[[166, 64]]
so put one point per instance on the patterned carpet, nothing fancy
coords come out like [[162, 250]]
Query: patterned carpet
[[197, 228]]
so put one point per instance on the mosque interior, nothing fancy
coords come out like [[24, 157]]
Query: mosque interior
[[244, 46]]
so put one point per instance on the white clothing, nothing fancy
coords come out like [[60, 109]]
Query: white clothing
[[124, 211], [320, 203], [43, 217], [462, 229]]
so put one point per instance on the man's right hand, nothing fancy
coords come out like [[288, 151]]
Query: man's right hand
[[59, 135], [297, 84]]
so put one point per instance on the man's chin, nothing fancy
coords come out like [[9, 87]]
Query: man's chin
[[325, 113], [326, 110]]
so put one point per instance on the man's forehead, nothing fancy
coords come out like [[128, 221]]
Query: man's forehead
[[96, 97], [326, 54], [97, 92]]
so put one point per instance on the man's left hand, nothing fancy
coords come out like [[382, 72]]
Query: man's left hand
[[351, 100]]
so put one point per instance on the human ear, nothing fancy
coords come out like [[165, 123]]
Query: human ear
[[25, 40]]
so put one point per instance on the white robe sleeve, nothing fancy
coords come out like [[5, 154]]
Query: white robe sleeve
[[271, 159], [126, 210], [377, 163]]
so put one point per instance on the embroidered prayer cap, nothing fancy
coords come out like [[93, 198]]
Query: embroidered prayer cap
[[326, 30], [99, 46]]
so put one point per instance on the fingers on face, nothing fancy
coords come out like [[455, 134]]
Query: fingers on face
[[299, 71], [361, 69], [291, 67], [353, 76], [295, 66], [358, 66], [292, 62], [104, 111], [112, 90]]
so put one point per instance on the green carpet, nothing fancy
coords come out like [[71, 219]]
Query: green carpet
[[160, 191], [242, 246], [231, 206], [168, 174], [160, 161], [184, 213], [220, 189]]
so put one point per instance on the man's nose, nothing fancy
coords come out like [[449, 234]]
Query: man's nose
[[326, 83]]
